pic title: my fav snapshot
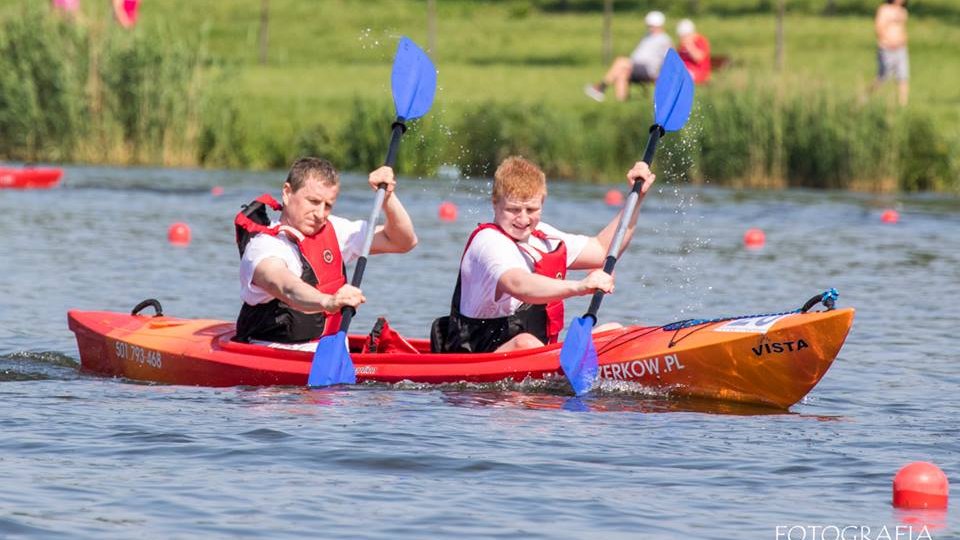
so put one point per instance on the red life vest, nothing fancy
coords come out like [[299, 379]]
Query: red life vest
[[459, 333], [551, 264], [323, 268]]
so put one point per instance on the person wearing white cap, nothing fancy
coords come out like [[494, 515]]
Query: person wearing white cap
[[694, 50], [642, 66]]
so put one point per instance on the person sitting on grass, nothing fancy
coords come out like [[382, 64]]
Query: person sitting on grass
[[642, 66], [293, 279], [512, 279]]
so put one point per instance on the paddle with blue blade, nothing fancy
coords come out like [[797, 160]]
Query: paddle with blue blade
[[414, 83], [672, 101]]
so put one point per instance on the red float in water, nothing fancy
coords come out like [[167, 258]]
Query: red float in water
[[890, 216], [179, 234], [754, 238], [613, 198], [920, 485], [29, 178], [447, 211], [216, 191]]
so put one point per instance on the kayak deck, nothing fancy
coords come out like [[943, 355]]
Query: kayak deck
[[772, 361]]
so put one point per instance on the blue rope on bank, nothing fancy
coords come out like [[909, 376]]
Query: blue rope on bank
[[827, 298]]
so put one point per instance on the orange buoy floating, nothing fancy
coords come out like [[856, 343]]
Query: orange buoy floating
[[216, 191], [179, 234], [754, 238], [613, 198], [920, 485], [890, 216], [447, 211]]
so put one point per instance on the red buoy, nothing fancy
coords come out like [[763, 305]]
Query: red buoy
[[920, 485], [179, 234], [216, 191], [613, 198], [754, 238], [890, 216], [447, 211]]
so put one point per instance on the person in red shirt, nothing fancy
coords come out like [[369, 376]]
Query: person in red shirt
[[694, 50]]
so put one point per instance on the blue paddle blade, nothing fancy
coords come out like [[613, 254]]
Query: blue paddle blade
[[673, 97], [578, 357], [331, 362], [414, 81]]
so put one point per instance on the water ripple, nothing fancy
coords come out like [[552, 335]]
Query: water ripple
[[88, 457]]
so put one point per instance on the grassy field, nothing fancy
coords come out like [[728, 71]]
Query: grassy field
[[325, 55]]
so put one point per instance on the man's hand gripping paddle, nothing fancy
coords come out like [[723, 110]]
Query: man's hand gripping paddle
[[672, 101], [414, 83]]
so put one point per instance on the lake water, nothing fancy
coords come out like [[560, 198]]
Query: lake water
[[86, 457]]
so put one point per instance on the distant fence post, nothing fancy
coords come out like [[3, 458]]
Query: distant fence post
[[264, 26], [778, 60], [432, 27], [607, 53]]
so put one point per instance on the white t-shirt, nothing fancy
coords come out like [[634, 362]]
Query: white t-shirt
[[350, 236], [490, 255], [651, 50]]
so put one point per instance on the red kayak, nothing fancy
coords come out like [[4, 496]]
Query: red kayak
[[771, 360], [30, 178]]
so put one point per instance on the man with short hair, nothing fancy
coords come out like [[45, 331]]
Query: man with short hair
[[512, 278], [293, 271], [892, 57], [643, 65]]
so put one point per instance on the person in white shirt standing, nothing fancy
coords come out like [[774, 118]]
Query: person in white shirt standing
[[293, 279], [643, 65], [512, 279]]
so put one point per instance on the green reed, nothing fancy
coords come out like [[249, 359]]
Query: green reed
[[757, 137], [93, 92]]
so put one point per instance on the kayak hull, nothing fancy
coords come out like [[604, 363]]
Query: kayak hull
[[774, 365], [30, 178]]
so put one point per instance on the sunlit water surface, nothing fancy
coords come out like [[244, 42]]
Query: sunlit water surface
[[82, 456]]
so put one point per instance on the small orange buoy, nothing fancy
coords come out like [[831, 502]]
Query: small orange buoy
[[754, 238], [216, 191], [179, 234], [447, 211], [920, 485], [890, 216], [613, 198]]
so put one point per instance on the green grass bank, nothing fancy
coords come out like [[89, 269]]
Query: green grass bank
[[187, 88]]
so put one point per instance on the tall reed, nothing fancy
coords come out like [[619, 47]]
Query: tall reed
[[749, 137], [93, 92]]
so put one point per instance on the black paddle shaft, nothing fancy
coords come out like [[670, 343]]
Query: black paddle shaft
[[347, 312], [656, 131]]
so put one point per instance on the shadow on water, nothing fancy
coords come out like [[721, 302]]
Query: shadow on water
[[494, 395], [545, 395], [606, 403]]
